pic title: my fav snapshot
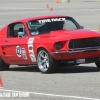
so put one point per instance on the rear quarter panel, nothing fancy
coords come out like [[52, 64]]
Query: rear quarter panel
[[2, 38]]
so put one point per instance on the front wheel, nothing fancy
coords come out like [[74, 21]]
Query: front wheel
[[3, 66], [45, 62], [97, 64]]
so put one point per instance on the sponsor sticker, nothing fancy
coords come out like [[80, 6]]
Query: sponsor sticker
[[31, 50], [80, 61], [24, 56], [30, 47], [24, 53], [30, 41], [51, 20]]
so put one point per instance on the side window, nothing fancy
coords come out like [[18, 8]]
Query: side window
[[70, 25], [14, 28]]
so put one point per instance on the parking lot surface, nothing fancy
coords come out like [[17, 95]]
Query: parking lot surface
[[68, 83]]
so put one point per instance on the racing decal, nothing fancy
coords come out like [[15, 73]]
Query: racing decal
[[31, 50], [18, 51], [23, 51], [51, 20]]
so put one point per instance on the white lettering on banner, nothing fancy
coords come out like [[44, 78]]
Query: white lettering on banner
[[5, 95], [51, 20], [14, 94]]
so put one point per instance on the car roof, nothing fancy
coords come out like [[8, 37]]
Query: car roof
[[39, 17]]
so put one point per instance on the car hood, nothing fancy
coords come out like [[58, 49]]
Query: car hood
[[74, 34], [61, 35]]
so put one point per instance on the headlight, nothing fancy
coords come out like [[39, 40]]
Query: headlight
[[57, 45]]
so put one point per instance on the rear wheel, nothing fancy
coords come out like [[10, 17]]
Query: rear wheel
[[3, 66], [45, 62], [97, 64]]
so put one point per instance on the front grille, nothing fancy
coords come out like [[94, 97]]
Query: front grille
[[84, 43]]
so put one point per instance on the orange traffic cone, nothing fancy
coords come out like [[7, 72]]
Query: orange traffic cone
[[1, 84], [57, 1], [99, 28], [47, 6], [51, 9]]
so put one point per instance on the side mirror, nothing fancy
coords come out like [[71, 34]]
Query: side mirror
[[82, 27], [20, 34]]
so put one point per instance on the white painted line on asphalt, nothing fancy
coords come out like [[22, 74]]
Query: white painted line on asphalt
[[51, 95], [20, 8], [1, 26], [21, 13]]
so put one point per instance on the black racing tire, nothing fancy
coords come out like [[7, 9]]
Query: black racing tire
[[3, 66], [97, 64], [45, 62]]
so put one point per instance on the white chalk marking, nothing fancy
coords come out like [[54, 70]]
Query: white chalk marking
[[21, 13], [52, 95], [20, 8]]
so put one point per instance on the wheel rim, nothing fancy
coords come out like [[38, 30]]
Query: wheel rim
[[43, 61]]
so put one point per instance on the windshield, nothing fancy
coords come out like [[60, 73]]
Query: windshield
[[41, 26]]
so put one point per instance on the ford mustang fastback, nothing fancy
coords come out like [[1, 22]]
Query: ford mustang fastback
[[48, 41]]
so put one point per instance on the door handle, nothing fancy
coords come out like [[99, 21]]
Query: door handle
[[5, 40]]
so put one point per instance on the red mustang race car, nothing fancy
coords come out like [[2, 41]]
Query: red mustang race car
[[48, 41]]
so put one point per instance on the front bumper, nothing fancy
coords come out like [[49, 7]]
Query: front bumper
[[76, 50], [74, 54], [81, 61]]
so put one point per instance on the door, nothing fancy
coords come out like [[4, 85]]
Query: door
[[15, 46]]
